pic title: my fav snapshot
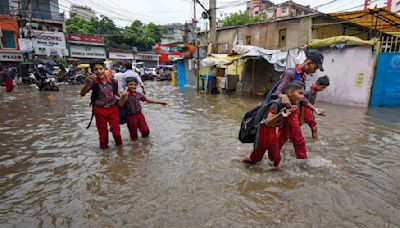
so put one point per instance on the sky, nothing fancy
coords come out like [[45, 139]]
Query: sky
[[123, 12]]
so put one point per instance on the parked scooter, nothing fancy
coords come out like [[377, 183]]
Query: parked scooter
[[76, 79], [43, 80]]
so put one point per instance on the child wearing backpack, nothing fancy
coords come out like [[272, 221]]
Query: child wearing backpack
[[266, 138], [311, 94], [130, 101], [104, 103]]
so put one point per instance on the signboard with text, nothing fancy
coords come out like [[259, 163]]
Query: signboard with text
[[83, 39], [146, 57], [88, 52], [120, 55], [49, 43], [11, 57]]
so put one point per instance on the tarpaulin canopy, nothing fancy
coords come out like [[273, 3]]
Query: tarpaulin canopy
[[219, 59], [347, 40], [378, 19]]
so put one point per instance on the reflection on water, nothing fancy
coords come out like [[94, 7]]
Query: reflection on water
[[188, 172]]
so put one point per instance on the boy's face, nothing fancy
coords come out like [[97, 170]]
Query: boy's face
[[132, 86], [295, 96], [98, 70], [319, 88]]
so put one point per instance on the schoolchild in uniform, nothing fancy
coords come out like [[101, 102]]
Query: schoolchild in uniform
[[311, 94], [266, 138], [104, 101], [131, 102]]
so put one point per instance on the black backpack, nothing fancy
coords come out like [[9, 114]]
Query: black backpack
[[252, 119], [95, 95]]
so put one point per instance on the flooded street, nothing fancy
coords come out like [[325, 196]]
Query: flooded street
[[187, 173]]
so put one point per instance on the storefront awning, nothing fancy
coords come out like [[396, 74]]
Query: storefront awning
[[219, 59], [378, 19]]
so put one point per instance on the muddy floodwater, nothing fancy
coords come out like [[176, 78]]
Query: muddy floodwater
[[187, 173]]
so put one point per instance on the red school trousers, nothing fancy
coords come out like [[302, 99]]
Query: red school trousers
[[291, 129], [135, 121], [309, 117], [266, 140], [108, 115]]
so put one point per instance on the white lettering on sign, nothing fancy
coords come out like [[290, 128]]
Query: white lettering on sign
[[120, 55], [88, 52]]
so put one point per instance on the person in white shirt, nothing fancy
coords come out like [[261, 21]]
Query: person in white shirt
[[142, 71], [130, 73]]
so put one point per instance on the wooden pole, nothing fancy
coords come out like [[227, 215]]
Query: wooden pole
[[213, 25]]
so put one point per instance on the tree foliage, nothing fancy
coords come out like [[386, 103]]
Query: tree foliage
[[136, 34], [240, 18]]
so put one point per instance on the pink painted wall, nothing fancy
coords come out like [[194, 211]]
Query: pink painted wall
[[350, 74]]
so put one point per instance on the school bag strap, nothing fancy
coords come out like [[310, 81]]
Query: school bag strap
[[275, 86]]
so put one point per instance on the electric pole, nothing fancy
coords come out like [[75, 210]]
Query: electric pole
[[213, 26], [196, 62], [29, 25]]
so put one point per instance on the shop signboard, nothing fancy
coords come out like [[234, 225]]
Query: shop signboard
[[49, 43], [11, 57], [86, 51], [84, 39], [120, 55]]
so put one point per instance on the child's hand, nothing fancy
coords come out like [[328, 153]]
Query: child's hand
[[123, 94], [320, 111], [163, 103], [285, 112], [90, 78]]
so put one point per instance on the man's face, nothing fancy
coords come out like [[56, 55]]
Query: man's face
[[319, 88], [98, 70], [310, 67], [132, 86], [295, 96]]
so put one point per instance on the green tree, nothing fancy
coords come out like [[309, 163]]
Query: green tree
[[78, 26], [136, 34], [240, 18]]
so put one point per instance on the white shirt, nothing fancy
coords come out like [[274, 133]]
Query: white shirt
[[129, 74]]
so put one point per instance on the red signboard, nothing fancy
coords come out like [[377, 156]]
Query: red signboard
[[94, 40]]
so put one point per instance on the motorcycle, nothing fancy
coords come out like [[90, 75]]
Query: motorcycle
[[76, 78], [43, 80]]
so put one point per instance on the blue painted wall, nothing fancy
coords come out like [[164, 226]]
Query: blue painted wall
[[386, 88], [181, 73]]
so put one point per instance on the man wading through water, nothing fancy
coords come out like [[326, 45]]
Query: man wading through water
[[291, 127], [104, 101]]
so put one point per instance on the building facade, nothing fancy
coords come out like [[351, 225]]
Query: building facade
[[275, 11], [84, 12], [9, 48], [284, 33]]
